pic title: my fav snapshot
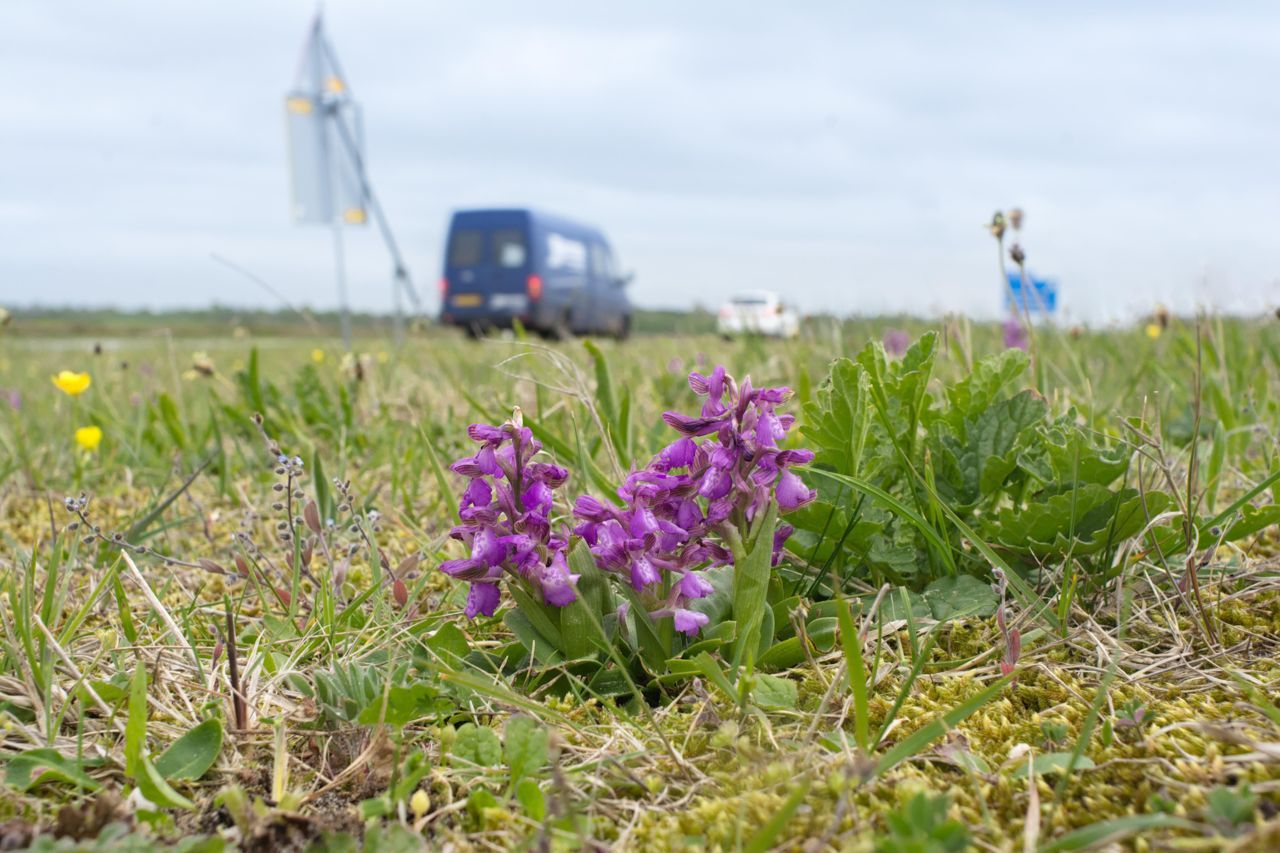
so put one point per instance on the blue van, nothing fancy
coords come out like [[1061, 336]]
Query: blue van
[[556, 276]]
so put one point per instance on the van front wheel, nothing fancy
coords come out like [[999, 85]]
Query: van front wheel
[[624, 328]]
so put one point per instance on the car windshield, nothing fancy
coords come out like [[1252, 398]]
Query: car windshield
[[750, 300]]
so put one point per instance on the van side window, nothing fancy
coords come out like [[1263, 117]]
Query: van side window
[[601, 261], [464, 248], [508, 248]]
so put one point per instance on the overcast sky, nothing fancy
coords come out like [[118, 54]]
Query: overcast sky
[[845, 154]]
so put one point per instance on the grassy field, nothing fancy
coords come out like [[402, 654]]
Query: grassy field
[[1031, 601]]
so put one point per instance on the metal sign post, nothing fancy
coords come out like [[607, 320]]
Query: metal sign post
[[330, 184]]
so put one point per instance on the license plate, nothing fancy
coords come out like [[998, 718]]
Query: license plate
[[508, 302], [467, 300]]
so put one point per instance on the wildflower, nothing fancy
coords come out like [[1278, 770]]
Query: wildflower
[[71, 383], [317, 355], [1153, 330], [420, 803], [15, 399], [1015, 218], [996, 226], [896, 342], [89, 437], [202, 364], [676, 513], [1015, 334], [506, 519]]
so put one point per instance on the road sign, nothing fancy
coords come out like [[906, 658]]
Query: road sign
[[1043, 294]]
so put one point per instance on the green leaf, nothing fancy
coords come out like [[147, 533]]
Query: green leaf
[[855, 672], [156, 789], [976, 392], [773, 693], [751, 571], [583, 619], [449, 644], [191, 756], [531, 799], [35, 767], [404, 704], [541, 647], [837, 424], [1109, 831], [1082, 520], [525, 744], [1252, 519], [477, 745], [960, 597], [135, 730]]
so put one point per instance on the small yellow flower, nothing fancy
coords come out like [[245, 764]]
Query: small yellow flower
[[420, 803], [1153, 330], [72, 383], [317, 355], [383, 358], [89, 437]]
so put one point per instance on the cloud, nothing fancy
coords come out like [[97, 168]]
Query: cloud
[[847, 156]]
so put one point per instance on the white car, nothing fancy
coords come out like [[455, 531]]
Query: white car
[[757, 312]]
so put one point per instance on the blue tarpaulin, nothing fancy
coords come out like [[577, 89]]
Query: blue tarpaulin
[[1043, 294]]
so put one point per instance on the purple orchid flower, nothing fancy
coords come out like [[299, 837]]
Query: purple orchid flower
[[670, 524], [1015, 334], [896, 342], [505, 512]]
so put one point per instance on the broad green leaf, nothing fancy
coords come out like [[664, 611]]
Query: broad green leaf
[[774, 693], [404, 704], [525, 745], [1082, 520], [35, 767], [531, 799], [960, 597], [191, 756], [478, 745], [1252, 519], [449, 644], [978, 390], [154, 787], [541, 647]]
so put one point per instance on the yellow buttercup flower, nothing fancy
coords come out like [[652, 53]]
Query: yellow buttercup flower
[[317, 355], [1153, 330], [89, 437], [72, 383]]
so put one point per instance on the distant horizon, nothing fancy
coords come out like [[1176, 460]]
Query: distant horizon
[[35, 309]]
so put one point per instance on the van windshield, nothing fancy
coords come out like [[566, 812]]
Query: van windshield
[[464, 248]]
